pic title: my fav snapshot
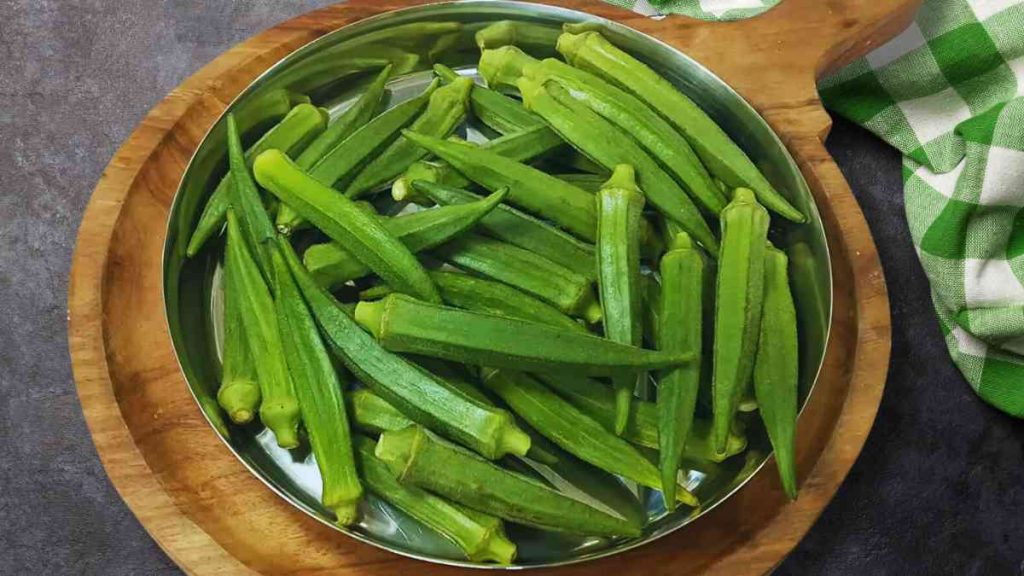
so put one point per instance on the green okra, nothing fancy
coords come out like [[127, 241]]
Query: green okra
[[609, 146], [404, 324], [620, 206], [589, 182], [651, 295], [416, 393], [291, 135], [597, 400], [502, 114], [574, 431], [417, 457], [444, 112], [536, 38], [620, 108], [519, 146], [248, 205], [279, 410], [339, 218], [531, 189], [777, 366], [593, 52], [320, 397], [333, 265], [681, 318], [804, 273], [373, 414], [520, 229], [569, 292], [239, 393], [479, 536], [738, 303]]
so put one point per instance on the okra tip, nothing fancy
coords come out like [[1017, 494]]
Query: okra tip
[[624, 177], [503, 66], [397, 448], [496, 548], [512, 440], [496, 35], [370, 315], [681, 241], [346, 513], [240, 400], [569, 44]]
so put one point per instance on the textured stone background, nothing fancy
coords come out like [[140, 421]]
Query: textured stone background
[[937, 489]]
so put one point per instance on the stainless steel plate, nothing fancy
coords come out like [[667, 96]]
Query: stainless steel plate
[[333, 71]]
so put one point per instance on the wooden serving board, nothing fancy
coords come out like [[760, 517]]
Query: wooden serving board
[[212, 516]]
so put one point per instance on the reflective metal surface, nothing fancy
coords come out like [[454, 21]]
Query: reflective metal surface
[[333, 70]]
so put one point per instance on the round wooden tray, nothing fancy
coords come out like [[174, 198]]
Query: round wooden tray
[[212, 516]]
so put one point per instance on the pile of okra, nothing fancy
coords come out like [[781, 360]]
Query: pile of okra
[[591, 292]]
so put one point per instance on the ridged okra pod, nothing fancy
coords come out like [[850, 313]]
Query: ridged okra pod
[[738, 303], [342, 221], [527, 35], [777, 367], [499, 112], [478, 536], [239, 393], [416, 393], [589, 182], [403, 324], [724, 159], [416, 457], [574, 431], [279, 410], [620, 206], [321, 402], [248, 205], [681, 318]]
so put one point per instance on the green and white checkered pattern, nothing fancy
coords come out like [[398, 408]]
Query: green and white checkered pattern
[[703, 9], [949, 94]]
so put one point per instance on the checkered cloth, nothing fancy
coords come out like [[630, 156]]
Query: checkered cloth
[[949, 94]]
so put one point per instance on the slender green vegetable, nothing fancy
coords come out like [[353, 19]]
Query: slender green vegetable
[[416, 457], [480, 537], [403, 324], [291, 135], [651, 295], [574, 431], [321, 402], [529, 188], [566, 290], [805, 272], [682, 277], [502, 114], [373, 414], [776, 368], [609, 146], [532, 37], [444, 112], [339, 218], [423, 398], [248, 205], [239, 393], [589, 182], [620, 206], [592, 51], [738, 303], [279, 410], [333, 265]]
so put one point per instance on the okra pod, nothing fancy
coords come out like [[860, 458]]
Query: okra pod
[[248, 205], [593, 52], [574, 431], [423, 398], [535, 191], [566, 290], [480, 538], [373, 414], [444, 112], [589, 182], [404, 324], [502, 114], [318, 390], [339, 218], [738, 303], [239, 393], [291, 135], [333, 265], [620, 206], [520, 229], [531, 37], [609, 146], [416, 457], [681, 318], [279, 410], [777, 366]]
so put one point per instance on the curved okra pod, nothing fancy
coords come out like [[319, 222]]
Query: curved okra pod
[[339, 218], [279, 410], [248, 205], [681, 318], [333, 265], [574, 431], [531, 37], [416, 393], [777, 366], [416, 457], [724, 159], [403, 324], [320, 398], [499, 112], [239, 393], [444, 112], [738, 302]]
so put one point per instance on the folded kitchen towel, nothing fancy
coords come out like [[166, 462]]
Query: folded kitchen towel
[[949, 94]]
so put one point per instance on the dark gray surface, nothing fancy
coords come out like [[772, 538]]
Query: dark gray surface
[[937, 489]]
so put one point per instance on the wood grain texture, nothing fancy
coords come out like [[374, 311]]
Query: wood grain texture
[[213, 517]]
